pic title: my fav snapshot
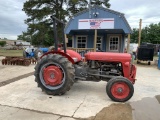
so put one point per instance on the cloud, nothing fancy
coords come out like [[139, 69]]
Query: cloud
[[12, 18], [148, 11]]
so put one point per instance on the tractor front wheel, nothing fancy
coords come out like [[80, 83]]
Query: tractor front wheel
[[119, 89], [54, 74]]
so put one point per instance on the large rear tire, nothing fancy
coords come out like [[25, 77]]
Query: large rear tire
[[119, 89], [54, 74]]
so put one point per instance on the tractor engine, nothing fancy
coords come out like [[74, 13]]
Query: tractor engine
[[98, 70]]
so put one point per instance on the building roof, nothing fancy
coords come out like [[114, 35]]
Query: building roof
[[104, 9], [100, 7]]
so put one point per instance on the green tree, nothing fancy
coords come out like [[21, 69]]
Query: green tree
[[39, 29], [24, 36], [38, 21], [153, 33], [75, 6], [20, 37], [149, 34], [2, 43], [104, 3], [134, 36]]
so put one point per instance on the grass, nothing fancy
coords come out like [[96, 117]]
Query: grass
[[11, 52]]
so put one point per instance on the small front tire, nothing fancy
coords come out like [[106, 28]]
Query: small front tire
[[119, 89]]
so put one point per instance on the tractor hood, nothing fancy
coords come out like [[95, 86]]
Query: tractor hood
[[108, 56]]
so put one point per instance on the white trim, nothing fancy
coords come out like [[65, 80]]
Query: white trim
[[81, 36], [118, 42]]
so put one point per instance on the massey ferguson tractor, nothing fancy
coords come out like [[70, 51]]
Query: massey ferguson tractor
[[57, 70]]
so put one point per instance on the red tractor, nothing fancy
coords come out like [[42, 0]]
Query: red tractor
[[57, 70]]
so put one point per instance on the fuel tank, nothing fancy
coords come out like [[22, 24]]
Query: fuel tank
[[108, 56]]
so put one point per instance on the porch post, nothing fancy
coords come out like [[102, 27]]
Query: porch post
[[128, 43], [95, 40], [66, 40]]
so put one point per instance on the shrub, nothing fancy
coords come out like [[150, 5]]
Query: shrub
[[2, 43]]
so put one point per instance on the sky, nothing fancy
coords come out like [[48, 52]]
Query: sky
[[12, 17]]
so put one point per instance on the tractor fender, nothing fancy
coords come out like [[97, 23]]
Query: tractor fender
[[60, 53], [73, 54]]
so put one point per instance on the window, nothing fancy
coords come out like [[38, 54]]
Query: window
[[81, 42], [114, 43], [99, 42]]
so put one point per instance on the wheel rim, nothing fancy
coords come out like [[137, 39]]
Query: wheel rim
[[52, 76], [120, 90]]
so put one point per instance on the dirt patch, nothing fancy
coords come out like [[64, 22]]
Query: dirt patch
[[15, 79], [114, 112]]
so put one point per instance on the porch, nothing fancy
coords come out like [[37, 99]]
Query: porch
[[105, 40]]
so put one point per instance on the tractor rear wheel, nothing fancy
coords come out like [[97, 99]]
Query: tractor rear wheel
[[54, 74], [119, 89]]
